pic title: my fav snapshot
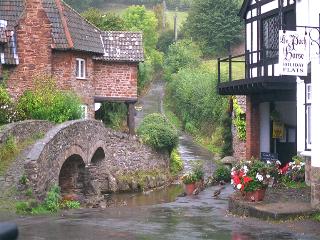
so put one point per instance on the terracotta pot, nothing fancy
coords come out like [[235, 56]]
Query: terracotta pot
[[189, 188], [255, 196]]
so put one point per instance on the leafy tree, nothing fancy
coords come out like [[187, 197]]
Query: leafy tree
[[180, 55], [83, 4], [105, 21], [165, 40], [215, 24]]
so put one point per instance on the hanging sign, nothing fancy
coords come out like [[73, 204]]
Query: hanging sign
[[293, 53], [278, 129]]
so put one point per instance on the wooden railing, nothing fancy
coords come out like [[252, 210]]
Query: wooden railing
[[259, 60]]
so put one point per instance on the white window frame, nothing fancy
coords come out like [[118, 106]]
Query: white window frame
[[80, 68], [308, 116], [84, 111]]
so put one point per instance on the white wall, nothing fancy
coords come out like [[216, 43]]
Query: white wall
[[300, 115], [264, 127]]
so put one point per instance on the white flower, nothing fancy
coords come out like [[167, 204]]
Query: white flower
[[233, 169], [232, 182], [278, 162], [233, 173], [268, 162], [291, 163], [302, 164], [239, 186], [259, 177], [268, 176]]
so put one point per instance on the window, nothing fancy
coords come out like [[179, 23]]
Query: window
[[308, 115], [270, 36], [80, 68], [84, 110]]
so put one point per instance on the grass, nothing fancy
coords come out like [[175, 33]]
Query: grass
[[182, 17], [11, 149]]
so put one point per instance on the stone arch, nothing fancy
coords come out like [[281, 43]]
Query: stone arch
[[72, 176], [98, 156]]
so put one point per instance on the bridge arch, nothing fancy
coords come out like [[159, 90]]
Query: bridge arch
[[72, 176]]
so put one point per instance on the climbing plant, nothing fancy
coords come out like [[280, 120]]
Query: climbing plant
[[239, 120]]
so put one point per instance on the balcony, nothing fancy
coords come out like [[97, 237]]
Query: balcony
[[253, 72]]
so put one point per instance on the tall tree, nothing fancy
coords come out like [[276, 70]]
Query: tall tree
[[215, 24]]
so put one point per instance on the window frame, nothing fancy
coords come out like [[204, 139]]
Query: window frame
[[81, 72]]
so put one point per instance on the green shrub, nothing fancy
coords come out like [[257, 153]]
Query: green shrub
[[113, 115], [176, 163], [227, 149], [70, 204], [46, 102], [158, 133], [51, 203], [23, 207], [181, 54], [8, 152], [222, 173]]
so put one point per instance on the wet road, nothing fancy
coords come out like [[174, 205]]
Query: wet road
[[196, 217]]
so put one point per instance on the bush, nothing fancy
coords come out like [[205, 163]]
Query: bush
[[176, 163], [70, 204], [157, 133], [180, 55], [46, 102], [51, 203], [222, 173], [113, 115]]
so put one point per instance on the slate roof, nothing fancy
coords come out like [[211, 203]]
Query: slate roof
[[123, 46], [72, 32]]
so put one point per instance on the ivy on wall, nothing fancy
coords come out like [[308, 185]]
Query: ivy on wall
[[239, 120]]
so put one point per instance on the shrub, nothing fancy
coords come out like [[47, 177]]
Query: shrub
[[8, 152], [176, 163], [113, 115], [51, 203], [46, 102], [158, 133], [180, 55], [222, 173], [70, 204]]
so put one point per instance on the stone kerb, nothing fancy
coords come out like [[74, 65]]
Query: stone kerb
[[24, 130], [46, 158]]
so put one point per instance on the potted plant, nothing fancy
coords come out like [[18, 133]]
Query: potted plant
[[189, 180], [251, 178]]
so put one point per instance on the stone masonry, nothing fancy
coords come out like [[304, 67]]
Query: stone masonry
[[99, 157]]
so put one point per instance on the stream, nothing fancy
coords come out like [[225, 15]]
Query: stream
[[158, 214]]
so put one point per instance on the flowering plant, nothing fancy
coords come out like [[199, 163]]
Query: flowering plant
[[294, 171], [251, 175], [189, 177]]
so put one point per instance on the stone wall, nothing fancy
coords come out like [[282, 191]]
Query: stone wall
[[24, 130], [239, 146], [122, 155]]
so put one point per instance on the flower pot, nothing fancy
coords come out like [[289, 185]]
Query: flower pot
[[189, 188], [255, 196]]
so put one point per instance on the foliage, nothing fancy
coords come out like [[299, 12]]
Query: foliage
[[8, 152], [182, 54], [166, 38], [8, 111], [293, 173], [239, 120], [138, 18], [83, 4], [251, 175], [46, 102], [222, 173], [51, 203], [189, 178], [113, 115], [176, 163], [104, 21], [227, 149], [23, 180], [197, 169], [70, 204], [157, 133], [215, 24]]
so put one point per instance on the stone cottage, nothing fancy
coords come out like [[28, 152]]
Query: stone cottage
[[48, 37]]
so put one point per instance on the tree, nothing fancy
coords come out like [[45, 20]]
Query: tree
[[215, 24], [138, 18], [105, 21], [83, 4]]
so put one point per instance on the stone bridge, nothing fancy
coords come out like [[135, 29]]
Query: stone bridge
[[83, 157]]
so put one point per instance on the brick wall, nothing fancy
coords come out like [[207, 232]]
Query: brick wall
[[64, 70], [118, 80], [253, 128], [34, 48]]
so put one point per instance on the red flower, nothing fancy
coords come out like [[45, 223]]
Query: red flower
[[284, 169], [247, 179]]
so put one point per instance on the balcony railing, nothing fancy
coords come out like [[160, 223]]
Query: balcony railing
[[249, 65]]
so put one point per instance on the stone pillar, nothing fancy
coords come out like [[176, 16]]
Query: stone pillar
[[253, 128], [130, 118]]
